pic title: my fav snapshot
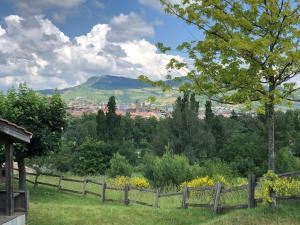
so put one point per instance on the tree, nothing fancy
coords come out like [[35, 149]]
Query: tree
[[209, 115], [108, 124], [184, 132], [44, 117], [92, 157], [100, 119], [119, 166], [249, 52]]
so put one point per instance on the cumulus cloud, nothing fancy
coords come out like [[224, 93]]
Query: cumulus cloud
[[35, 51], [130, 26]]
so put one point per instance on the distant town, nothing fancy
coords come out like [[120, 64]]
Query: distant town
[[78, 108]]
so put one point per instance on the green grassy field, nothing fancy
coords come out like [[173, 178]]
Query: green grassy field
[[50, 207]]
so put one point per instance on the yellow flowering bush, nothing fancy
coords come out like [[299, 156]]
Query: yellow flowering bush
[[282, 186], [207, 182], [139, 182], [220, 178], [199, 182], [120, 181]]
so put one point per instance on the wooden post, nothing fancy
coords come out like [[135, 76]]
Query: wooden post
[[185, 203], [217, 197], [9, 179], [59, 183], [36, 179], [126, 190], [273, 199], [251, 191], [157, 198], [84, 186], [103, 192]]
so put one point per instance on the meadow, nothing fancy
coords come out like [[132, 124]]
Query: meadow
[[52, 207]]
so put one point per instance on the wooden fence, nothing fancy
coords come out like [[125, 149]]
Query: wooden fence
[[215, 202]]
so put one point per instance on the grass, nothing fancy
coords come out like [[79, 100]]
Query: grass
[[50, 207]]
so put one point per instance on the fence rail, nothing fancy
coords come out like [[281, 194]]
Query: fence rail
[[215, 204]]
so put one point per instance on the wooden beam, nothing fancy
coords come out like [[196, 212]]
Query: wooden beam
[[9, 179], [15, 134]]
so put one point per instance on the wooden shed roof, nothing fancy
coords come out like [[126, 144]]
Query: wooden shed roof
[[13, 133]]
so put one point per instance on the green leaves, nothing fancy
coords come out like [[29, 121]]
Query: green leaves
[[248, 45]]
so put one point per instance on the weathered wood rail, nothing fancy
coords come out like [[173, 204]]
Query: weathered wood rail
[[215, 203]]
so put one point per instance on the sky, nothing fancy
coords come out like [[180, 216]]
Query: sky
[[61, 43]]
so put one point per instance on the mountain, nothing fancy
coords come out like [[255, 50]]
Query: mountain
[[105, 82], [126, 90]]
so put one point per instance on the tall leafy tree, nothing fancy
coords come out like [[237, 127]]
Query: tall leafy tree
[[249, 52], [185, 132], [44, 117]]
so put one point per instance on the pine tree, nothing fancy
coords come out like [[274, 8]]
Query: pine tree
[[209, 115], [101, 126], [112, 120]]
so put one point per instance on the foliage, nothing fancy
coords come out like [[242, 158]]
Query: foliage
[[108, 123], [91, 157], [216, 166], [283, 187], [168, 170], [199, 182], [119, 166], [286, 161], [79, 129], [211, 181], [139, 182], [184, 133], [44, 117], [249, 53]]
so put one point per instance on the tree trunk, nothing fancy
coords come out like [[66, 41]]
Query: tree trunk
[[270, 125], [271, 141], [22, 174]]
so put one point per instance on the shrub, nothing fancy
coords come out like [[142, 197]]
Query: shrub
[[139, 182], [217, 167], [168, 170], [211, 181], [283, 187], [119, 166], [286, 161], [91, 157]]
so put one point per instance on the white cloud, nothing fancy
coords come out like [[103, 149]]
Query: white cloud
[[35, 51], [130, 26], [60, 8]]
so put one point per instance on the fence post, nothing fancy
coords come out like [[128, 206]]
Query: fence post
[[273, 199], [126, 190], [185, 192], [217, 197], [59, 183], [84, 186], [157, 197], [36, 179], [251, 191], [103, 191]]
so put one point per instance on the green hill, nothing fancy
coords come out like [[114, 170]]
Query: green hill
[[126, 90]]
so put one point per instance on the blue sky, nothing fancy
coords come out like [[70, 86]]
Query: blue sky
[[61, 43]]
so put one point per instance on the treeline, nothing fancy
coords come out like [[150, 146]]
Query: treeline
[[176, 148]]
